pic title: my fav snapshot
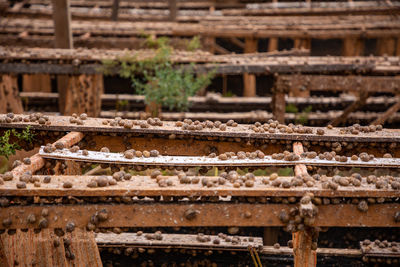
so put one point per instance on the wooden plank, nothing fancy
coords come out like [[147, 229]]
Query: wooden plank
[[9, 94], [386, 46], [61, 123], [174, 241], [360, 102], [273, 44], [351, 83], [150, 214], [37, 162], [147, 186]]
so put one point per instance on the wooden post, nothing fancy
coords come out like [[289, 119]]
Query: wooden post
[[398, 47], [352, 47], [173, 10], [84, 95], [209, 44], [62, 24], [279, 106], [249, 80], [36, 83], [386, 46], [115, 7], [270, 236], [273, 44], [63, 39], [303, 254], [302, 43], [9, 95]]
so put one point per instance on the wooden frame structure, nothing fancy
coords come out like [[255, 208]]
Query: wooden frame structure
[[265, 211]]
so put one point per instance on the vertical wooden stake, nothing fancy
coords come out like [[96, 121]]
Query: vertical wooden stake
[[173, 10], [303, 255], [270, 236], [279, 106], [386, 46], [249, 80], [273, 44], [115, 7], [352, 47]]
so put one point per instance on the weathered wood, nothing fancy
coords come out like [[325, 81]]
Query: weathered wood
[[385, 116], [173, 9], [115, 8], [30, 249], [150, 214], [62, 27], [148, 187], [9, 95], [273, 44], [278, 106], [352, 47], [386, 46], [249, 80], [36, 83], [302, 43], [83, 95], [270, 236], [304, 256], [353, 107]]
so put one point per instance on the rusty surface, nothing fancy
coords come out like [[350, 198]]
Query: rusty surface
[[146, 186], [209, 214]]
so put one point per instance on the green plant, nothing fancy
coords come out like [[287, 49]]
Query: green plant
[[6, 148], [121, 104], [303, 116], [291, 108], [157, 78], [194, 44]]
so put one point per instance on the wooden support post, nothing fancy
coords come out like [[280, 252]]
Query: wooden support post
[[386, 115], [39, 249], [63, 39], [353, 107], [273, 44], [224, 84], [173, 10], [278, 106], [386, 46], [398, 47], [36, 83], [9, 95], [84, 94], [115, 7], [352, 47], [209, 44], [270, 236], [62, 24], [303, 254], [302, 43], [249, 80]]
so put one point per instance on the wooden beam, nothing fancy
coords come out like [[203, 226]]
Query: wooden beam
[[353, 107], [385, 116], [115, 8], [237, 42], [302, 43], [36, 83], [279, 106], [273, 44], [386, 46]]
